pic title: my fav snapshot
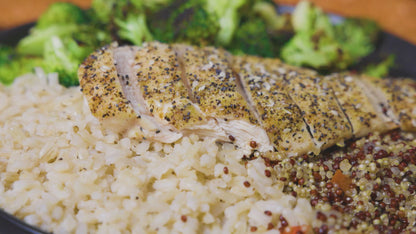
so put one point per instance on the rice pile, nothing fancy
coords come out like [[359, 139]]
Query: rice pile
[[61, 172]]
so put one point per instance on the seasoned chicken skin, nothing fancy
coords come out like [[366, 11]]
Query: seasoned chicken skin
[[163, 92], [213, 86], [279, 115], [361, 110]]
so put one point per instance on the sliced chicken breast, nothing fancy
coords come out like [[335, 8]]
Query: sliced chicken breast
[[397, 99], [378, 92], [103, 91], [404, 102], [163, 92], [322, 113], [279, 115], [153, 82], [214, 88], [362, 112]]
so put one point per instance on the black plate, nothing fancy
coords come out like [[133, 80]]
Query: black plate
[[405, 67]]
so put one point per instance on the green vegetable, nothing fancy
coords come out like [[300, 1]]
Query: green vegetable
[[61, 19], [12, 65], [17, 67], [151, 5], [381, 69], [65, 34], [134, 29], [228, 15], [252, 38], [187, 22], [356, 36], [268, 13], [6, 54], [102, 10], [61, 13], [321, 53], [64, 57], [34, 43], [320, 45]]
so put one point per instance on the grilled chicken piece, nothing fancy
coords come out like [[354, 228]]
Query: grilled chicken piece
[[279, 115], [153, 84], [404, 102], [322, 113], [397, 98], [214, 88], [364, 114], [103, 91], [377, 91], [163, 92]]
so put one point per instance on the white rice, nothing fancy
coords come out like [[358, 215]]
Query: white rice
[[60, 171]]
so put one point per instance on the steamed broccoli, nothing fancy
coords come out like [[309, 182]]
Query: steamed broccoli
[[227, 12], [16, 67], [12, 65], [61, 19], [6, 54], [252, 38], [61, 13], [103, 9], [151, 5], [356, 36], [186, 22], [268, 13], [134, 29], [34, 43], [317, 51], [62, 38], [64, 57], [381, 69], [319, 44]]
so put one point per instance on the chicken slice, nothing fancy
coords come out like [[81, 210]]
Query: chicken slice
[[214, 88], [322, 113], [404, 102], [151, 80], [377, 91], [361, 111], [396, 98], [103, 91], [279, 115]]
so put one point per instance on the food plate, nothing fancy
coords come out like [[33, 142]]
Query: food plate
[[388, 44]]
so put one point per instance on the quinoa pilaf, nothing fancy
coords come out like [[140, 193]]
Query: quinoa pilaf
[[60, 171], [368, 185]]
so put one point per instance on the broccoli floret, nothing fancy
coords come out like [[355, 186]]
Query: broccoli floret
[[268, 13], [64, 57], [13, 65], [321, 45], [107, 10], [125, 19], [252, 38], [227, 12], [6, 54], [318, 51], [17, 67], [34, 43], [381, 69], [303, 17], [134, 29], [103, 9], [61, 13], [151, 5], [61, 19], [189, 22], [357, 36]]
